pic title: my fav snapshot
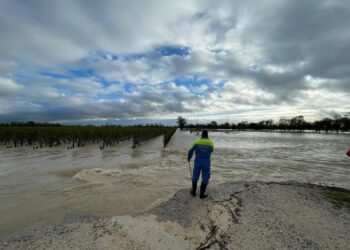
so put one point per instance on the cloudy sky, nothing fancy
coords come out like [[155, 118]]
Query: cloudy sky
[[152, 60]]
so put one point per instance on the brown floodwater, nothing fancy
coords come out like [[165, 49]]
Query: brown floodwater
[[44, 186]]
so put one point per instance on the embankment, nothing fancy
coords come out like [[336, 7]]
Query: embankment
[[240, 215]]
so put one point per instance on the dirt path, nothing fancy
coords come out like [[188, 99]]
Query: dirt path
[[244, 215]]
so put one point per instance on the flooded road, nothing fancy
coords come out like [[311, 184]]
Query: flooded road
[[44, 186]]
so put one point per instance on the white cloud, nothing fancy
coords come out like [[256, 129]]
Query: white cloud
[[9, 87], [66, 31], [299, 53]]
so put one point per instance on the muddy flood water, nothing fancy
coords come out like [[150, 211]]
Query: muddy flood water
[[44, 186]]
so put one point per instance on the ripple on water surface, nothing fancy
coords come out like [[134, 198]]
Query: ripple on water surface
[[121, 180]]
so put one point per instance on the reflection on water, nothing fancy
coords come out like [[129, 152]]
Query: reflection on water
[[44, 185]]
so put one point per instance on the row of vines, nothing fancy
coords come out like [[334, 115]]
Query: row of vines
[[79, 136]]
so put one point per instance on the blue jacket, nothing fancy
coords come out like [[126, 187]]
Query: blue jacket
[[203, 148]]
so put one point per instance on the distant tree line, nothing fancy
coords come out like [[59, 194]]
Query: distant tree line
[[295, 124]]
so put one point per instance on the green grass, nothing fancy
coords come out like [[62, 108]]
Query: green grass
[[339, 197]]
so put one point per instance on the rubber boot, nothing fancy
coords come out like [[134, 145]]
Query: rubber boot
[[203, 188], [194, 188]]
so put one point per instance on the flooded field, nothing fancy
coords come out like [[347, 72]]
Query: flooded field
[[44, 186]]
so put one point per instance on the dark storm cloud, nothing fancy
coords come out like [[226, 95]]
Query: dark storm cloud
[[312, 33]]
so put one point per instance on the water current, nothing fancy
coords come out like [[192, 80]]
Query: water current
[[50, 184]]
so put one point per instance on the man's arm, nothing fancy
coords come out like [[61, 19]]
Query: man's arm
[[212, 146], [190, 153]]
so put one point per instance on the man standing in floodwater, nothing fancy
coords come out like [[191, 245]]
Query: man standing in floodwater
[[203, 148]]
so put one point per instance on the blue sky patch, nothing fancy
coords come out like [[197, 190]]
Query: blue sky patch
[[18, 77], [72, 73], [191, 81], [129, 87], [108, 98], [103, 80], [82, 72], [54, 75], [173, 50]]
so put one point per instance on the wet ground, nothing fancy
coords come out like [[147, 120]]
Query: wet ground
[[238, 215]]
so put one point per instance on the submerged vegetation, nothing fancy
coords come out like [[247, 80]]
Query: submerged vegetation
[[41, 135]]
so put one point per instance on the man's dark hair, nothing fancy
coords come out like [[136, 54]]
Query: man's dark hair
[[205, 134]]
